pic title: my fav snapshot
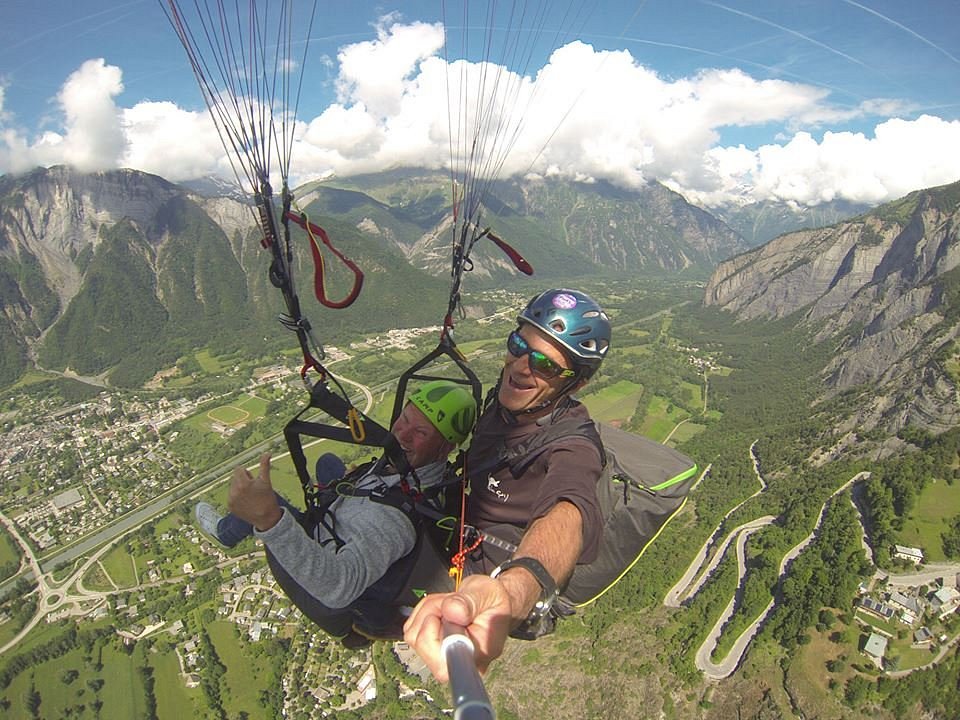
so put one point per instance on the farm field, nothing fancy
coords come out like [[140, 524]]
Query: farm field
[[176, 701], [208, 362], [615, 403], [120, 566], [809, 679], [246, 672], [662, 416]]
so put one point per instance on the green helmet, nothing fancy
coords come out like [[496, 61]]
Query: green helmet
[[449, 407]]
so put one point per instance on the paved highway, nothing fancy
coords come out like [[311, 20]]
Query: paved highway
[[57, 597]]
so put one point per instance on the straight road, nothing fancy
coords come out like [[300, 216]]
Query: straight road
[[155, 507]]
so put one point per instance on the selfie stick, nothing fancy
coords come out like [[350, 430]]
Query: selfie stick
[[470, 700]]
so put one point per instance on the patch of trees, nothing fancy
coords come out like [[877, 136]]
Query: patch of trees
[[212, 675], [826, 574], [936, 690], [32, 700], [951, 538], [731, 479], [891, 492], [13, 354], [146, 676], [70, 639], [9, 568], [777, 375]]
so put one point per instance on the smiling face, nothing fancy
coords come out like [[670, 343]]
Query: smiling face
[[521, 389], [420, 441]]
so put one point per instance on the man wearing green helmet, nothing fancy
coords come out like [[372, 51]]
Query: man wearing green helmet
[[343, 570], [562, 337]]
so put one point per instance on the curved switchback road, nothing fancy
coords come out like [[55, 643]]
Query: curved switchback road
[[677, 593], [686, 587], [725, 668], [703, 658]]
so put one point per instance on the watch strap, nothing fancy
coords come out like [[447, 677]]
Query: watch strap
[[548, 587]]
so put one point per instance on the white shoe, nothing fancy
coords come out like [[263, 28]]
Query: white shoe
[[207, 518]]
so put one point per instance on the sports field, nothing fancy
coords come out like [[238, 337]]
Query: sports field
[[237, 413]]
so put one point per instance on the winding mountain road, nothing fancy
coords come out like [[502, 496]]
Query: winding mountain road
[[683, 588], [699, 572]]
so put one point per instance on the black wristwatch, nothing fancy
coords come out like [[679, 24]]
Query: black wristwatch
[[548, 588]]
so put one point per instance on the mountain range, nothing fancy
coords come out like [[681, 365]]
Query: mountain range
[[761, 221], [563, 228], [122, 272], [883, 286]]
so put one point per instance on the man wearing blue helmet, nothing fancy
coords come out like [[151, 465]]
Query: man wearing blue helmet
[[560, 341]]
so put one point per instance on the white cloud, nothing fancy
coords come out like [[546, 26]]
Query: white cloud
[[174, 143], [902, 155], [377, 72], [585, 114], [94, 137]]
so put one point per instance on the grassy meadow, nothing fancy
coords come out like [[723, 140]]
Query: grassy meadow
[[934, 507]]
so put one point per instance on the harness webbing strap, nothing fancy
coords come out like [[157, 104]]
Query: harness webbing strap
[[519, 458], [496, 542]]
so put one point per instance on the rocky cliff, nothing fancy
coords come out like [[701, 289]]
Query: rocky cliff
[[103, 266], [123, 271], [885, 287]]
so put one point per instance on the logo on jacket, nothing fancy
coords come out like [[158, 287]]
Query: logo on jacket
[[493, 486]]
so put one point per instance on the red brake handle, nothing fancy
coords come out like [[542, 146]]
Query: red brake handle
[[318, 285], [519, 261]]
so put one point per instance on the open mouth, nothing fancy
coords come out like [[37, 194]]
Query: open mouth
[[519, 385]]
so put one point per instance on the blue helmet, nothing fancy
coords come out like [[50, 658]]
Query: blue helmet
[[574, 320]]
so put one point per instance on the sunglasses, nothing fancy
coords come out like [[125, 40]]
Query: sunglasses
[[540, 365]]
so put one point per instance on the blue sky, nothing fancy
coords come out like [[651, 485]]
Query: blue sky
[[807, 100]]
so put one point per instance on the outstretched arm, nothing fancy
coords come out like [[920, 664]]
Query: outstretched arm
[[489, 608], [252, 497], [375, 537]]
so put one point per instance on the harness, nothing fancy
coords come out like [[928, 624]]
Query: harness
[[431, 511], [521, 456], [415, 502]]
